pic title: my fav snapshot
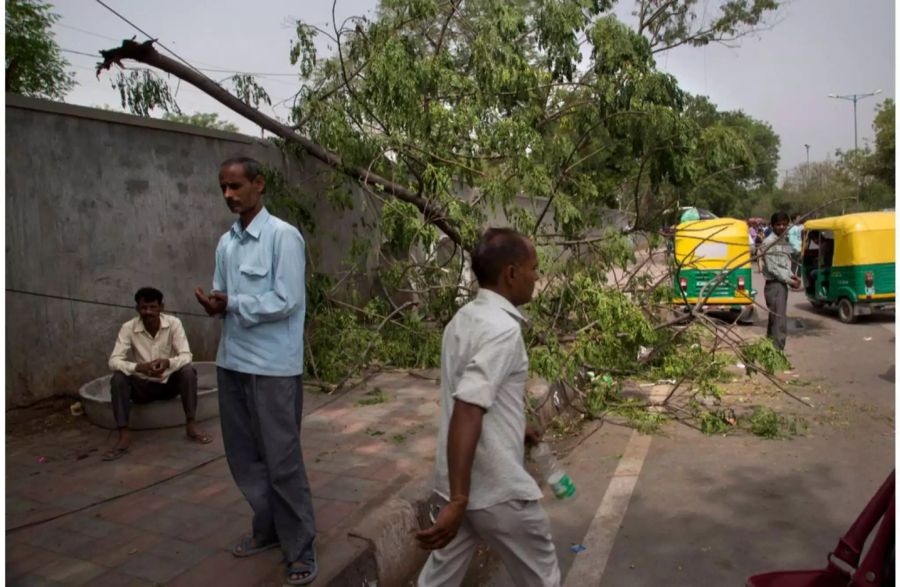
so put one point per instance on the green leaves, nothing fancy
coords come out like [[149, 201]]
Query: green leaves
[[882, 165], [402, 226], [303, 49], [248, 91], [34, 65], [142, 91], [688, 22]]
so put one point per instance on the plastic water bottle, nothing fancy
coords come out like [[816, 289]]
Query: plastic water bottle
[[562, 485]]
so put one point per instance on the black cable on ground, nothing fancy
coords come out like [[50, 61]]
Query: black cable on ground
[[113, 498]]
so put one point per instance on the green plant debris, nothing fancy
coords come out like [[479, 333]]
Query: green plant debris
[[373, 397], [374, 432], [767, 423], [716, 421], [398, 438], [763, 354], [565, 424], [342, 341]]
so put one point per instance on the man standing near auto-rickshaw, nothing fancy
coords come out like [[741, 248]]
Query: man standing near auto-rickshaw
[[777, 272], [795, 239]]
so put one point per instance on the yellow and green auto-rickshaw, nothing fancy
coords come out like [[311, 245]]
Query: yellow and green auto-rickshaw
[[848, 261], [704, 250]]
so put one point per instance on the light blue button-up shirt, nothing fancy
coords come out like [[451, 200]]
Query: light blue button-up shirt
[[261, 268], [794, 236]]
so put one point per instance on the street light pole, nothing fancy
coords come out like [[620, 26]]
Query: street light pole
[[854, 98], [807, 164]]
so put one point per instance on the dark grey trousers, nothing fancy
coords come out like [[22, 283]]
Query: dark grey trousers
[[261, 431], [125, 389], [776, 303]]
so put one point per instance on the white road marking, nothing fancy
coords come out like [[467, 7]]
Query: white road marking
[[589, 566]]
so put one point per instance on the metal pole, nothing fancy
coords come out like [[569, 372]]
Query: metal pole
[[855, 98], [807, 165]]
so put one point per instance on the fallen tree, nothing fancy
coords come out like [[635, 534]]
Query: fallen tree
[[435, 98]]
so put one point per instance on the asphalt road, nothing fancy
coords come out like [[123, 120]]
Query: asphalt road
[[686, 509]]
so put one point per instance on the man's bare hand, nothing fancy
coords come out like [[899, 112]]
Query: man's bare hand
[[533, 435], [158, 367], [219, 298], [796, 283], [445, 527], [213, 302], [144, 368]]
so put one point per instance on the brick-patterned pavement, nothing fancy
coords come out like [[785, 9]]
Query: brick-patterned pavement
[[168, 512]]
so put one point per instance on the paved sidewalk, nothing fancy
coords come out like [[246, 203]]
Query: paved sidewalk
[[168, 512]]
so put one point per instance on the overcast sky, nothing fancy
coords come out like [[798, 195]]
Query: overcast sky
[[782, 75]]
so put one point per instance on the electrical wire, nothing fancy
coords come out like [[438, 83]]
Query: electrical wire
[[80, 53], [143, 32], [233, 71], [93, 302], [98, 35], [113, 498]]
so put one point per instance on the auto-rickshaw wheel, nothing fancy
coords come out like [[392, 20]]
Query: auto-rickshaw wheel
[[845, 311], [746, 316]]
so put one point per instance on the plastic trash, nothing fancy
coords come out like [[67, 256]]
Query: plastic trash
[[551, 471]]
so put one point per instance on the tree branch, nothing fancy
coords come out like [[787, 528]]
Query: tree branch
[[145, 53]]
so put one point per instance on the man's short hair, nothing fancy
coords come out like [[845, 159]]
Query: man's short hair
[[149, 295], [497, 249], [252, 167], [780, 217]]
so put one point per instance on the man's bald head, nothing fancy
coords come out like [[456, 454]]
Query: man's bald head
[[498, 248]]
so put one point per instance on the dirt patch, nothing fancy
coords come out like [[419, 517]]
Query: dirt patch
[[51, 415]]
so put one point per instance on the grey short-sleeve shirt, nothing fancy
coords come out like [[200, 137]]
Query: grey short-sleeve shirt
[[484, 362]]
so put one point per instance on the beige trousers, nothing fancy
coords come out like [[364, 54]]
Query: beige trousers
[[518, 531]]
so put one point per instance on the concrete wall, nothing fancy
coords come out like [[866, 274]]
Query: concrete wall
[[99, 204]]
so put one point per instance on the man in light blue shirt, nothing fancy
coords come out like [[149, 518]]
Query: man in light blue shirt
[[259, 289], [795, 239]]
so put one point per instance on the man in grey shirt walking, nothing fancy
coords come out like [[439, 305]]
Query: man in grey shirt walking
[[776, 269], [480, 474]]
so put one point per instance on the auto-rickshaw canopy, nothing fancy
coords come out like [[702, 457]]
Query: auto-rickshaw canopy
[[865, 238], [718, 243]]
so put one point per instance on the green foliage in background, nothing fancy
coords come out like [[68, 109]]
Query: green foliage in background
[[202, 119], [34, 65]]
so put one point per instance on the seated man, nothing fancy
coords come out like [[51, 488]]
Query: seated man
[[152, 361]]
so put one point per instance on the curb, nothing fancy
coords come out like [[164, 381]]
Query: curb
[[381, 550]]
